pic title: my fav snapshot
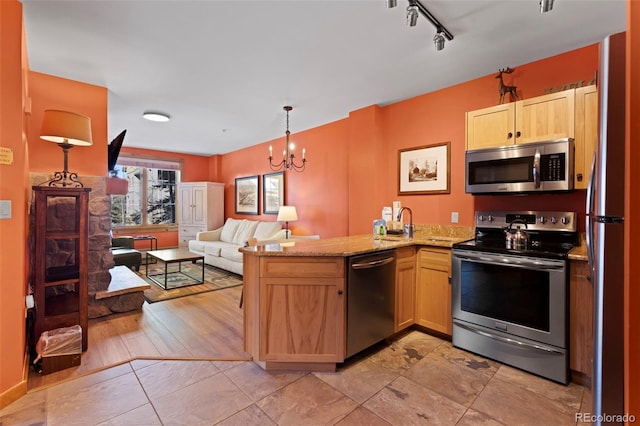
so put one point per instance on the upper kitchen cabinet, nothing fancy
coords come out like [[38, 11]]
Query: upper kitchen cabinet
[[586, 133], [536, 119]]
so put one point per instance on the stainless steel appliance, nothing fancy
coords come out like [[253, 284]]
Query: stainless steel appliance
[[511, 304], [370, 299], [605, 233], [532, 167]]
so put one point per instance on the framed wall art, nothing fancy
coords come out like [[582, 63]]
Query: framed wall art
[[272, 192], [424, 169], [248, 195]]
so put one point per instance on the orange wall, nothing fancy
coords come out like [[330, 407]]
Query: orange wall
[[352, 163], [632, 229], [13, 187], [319, 193], [50, 92]]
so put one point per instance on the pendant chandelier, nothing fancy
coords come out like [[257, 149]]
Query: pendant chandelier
[[288, 159]]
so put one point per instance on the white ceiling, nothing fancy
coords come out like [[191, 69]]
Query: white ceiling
[[224, 69]]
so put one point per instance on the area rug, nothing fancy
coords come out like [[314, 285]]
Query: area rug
[[179, 286]]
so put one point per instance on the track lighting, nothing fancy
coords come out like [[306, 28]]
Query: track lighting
[[546, 5], [412, 14], [442, 33], [438, 40], [391, 4]]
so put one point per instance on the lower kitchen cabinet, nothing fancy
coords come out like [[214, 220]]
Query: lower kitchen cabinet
[[433, 289], [405, 306], [301, 311], [581, 322]]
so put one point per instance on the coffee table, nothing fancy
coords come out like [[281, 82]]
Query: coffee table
[[169, 256]]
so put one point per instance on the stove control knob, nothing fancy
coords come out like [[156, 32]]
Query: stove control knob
[[554, 220], [490, 218], [564, 220], [542, 219]]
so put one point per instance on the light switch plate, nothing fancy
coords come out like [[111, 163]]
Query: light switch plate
[[454, 217], [5, 209]]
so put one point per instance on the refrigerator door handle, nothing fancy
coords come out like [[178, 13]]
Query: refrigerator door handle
[[590, 214]]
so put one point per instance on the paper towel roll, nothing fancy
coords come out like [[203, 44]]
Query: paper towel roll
[[396, 209]]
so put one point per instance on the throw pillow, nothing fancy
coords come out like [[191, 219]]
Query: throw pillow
[[229, 230], [245, 231], [266, 230]]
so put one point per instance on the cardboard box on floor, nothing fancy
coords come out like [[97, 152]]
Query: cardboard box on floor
[[59, 349]]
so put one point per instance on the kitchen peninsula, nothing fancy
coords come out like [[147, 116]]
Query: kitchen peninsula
[[295, 307]]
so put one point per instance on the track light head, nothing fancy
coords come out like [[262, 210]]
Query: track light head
[[391, 4], [439, 40], [412, 14], [546, 5]]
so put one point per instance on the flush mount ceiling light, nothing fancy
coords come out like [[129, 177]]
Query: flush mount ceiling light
[[156, 116], [442, 34], [546, 5]]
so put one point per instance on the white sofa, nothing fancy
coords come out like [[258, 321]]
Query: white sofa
[[220, 246]]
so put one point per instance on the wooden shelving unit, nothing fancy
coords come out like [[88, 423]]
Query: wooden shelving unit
[[60, 272]]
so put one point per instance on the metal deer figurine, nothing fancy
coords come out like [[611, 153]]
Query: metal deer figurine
[[502, 88]]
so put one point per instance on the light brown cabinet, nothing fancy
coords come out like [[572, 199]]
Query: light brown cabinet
[[581, 322], [201, 208], [405, 307], [586, 135], [536, 119], [295, 310], [60, 256], [433, 289]]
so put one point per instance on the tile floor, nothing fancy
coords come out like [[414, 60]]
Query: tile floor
[[418, 379]]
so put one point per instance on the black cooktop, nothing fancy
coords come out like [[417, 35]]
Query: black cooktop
[[551, 234]]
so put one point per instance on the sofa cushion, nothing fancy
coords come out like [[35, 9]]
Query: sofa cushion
[[212, 250], [245, 231], [229, 230], [231, 253], [265, 230], [196, 245]]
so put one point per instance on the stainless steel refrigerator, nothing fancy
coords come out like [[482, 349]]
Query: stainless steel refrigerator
[[605, 233]]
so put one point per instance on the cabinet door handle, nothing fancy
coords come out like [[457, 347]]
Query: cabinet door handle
[[340, 292], [509, 135], [518, 134]]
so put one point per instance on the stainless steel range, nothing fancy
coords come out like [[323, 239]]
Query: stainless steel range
[[511, 304]]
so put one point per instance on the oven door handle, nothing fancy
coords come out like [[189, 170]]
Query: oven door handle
[[541, 265], [509, 341]]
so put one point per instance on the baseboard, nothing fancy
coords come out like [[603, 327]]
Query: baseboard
[[20, 389]]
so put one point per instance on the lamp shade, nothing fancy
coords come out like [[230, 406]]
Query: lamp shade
[[65, 127], [287, 214]]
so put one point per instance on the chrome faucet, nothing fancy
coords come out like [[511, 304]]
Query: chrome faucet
[[408, 229]]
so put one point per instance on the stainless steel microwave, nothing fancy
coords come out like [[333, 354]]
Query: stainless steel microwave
[[532, 167]]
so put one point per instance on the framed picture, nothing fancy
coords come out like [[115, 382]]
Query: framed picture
[[424, 169], [272, 192], [247, 195]]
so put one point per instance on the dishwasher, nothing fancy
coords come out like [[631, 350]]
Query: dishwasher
[[370, 299]]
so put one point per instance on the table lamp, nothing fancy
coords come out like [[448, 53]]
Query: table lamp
[[287, 214], [67, 129]]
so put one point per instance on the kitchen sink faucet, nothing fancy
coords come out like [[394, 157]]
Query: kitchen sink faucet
[[408, 229]]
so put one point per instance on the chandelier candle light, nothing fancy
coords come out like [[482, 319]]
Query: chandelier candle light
[[288, 159], [67, 129]]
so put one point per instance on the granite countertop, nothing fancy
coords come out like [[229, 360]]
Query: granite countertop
[[425, 235], [579, 252]]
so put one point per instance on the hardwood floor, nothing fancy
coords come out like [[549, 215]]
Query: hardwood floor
[[204, 326]]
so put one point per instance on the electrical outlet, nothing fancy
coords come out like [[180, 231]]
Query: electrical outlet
[[454, 217], [5, 209]]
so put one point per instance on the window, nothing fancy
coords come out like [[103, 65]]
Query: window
[[151, 197]]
